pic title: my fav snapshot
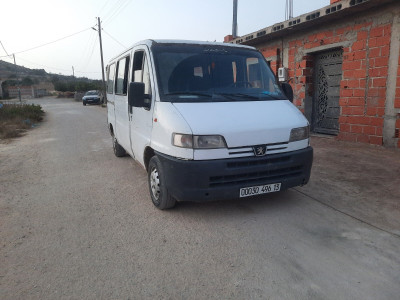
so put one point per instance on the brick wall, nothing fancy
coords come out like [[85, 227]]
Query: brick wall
[[366, 48]]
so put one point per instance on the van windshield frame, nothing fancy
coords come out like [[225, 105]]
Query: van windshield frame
[[213, 73]]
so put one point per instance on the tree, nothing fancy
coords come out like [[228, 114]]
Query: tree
[[27, 81]]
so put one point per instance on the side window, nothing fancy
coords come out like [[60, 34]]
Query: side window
[[110, 79], [140, 71], [122, 76]]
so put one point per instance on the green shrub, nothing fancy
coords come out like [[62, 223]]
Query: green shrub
[[16, 118]]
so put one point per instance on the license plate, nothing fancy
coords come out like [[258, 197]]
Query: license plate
[[260, 189]]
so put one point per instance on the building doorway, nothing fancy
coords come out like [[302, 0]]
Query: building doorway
[[327, 77]]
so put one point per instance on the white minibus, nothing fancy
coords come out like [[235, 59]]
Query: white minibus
[[208, 121]]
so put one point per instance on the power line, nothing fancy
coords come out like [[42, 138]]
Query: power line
[[4, 48], [105, 4], [118, 10], [114, 38], [49, 42]]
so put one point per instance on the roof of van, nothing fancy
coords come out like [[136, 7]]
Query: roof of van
[[149, 43]]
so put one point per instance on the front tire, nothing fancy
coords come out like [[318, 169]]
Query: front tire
[[158, 191], [84, 103], [119, 151]]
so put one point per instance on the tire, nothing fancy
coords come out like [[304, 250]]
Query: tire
[[158, 191], [84, 103], [118, 150]]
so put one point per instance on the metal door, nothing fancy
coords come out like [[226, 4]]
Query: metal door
[[327, 77]]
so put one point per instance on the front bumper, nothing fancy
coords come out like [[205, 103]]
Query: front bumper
[[92, 100], [223, 178]]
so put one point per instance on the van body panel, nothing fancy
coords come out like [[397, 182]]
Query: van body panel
[[245, 123], [141, 119], [169, 121]]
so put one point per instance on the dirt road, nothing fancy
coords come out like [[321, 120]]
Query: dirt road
[[78, 223]]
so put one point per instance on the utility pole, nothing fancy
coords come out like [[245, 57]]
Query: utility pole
[[102, 61], [19, 90], [234, 23], [73, 71]]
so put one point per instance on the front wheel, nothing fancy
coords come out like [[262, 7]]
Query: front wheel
[[84, 103], [158, 191]]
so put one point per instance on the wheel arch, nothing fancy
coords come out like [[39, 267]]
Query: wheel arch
[[147, 155]]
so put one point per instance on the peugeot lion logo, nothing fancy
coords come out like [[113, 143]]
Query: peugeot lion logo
[[260, 150]]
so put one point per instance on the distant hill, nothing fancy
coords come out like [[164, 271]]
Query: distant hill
[[11, 74], [11, 71]]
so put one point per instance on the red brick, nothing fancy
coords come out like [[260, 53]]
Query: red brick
[[360, 55], [379, 131], [354, 83], [371, 111], [376, 32], [381, 61], [380, 111], [343, 101], [356, 129], [344, 127], [397, 123], [385, 50], [362, 35], [351, 65], [376, 140], [383, 41], [376, 121], [375, 52], [359, 45], [343, 119], [387, 30], [378, 72], [359, 92], [372, 42], [356, 101], [357, 110], [347, 110], [359, 120], [379, 82], [346, 93], [370, 130]]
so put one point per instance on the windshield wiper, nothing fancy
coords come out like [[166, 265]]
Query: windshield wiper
[[238, 95], [189, 94]]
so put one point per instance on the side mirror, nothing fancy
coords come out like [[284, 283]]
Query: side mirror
[[287, 89], [136, 96]]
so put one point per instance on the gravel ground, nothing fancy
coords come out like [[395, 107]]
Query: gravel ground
[[78, 223]]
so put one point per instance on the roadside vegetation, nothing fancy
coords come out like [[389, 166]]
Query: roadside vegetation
[[15, 119]]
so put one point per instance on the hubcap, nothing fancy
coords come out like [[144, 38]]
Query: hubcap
[[155, 183]]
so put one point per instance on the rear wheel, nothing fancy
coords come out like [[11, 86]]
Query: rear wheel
[[158, 191], [118, 150]]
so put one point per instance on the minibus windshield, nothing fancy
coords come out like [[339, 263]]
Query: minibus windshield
[[213, 73]]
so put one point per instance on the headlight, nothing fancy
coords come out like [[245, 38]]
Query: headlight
[[198, 141], [298, 134]]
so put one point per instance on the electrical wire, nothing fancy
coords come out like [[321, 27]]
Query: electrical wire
[[118, 10], [114, 39], [4, 48], [105, 4], [49, 42]]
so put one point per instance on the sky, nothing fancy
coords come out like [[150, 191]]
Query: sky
[[26, 24]]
